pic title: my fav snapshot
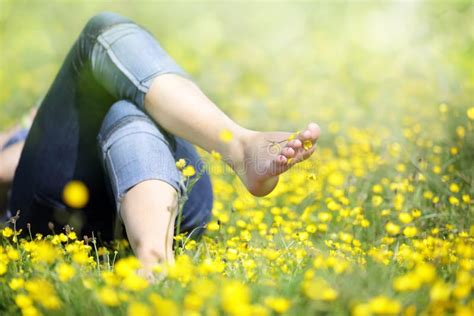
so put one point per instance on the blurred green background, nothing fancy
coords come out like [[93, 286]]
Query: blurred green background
[[270, 64]]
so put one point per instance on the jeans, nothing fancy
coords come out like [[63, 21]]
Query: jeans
[[92, 127]]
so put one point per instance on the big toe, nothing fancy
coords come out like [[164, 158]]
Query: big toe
[[313, 130], [309, 136]]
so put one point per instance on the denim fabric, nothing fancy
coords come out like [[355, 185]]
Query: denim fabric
[[133, 149], [112, 62]]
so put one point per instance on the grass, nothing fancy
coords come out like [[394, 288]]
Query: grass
[[379, 222]]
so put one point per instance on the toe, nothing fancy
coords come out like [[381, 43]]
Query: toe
[[295, 144], [309, 136], [281, 159], [314, 130], [305, 135], [278, 165], [288, 152]]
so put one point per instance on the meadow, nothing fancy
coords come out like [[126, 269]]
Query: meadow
[[378, 222]]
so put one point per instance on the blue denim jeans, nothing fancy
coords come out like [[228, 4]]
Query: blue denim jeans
[[92, 126]]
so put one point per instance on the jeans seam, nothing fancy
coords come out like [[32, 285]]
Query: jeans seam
[[111, 166], [110, 52], [122, 122], [138, 132], [118, 38], [108, 28]]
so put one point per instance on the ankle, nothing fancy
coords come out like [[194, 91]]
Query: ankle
[[236, 149]]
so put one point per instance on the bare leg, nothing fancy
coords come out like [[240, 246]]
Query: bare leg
[[149, 211], [180, 107], [9, 158]]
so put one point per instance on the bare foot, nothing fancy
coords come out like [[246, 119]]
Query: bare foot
[[269, 154]]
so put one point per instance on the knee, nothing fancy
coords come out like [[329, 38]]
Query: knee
[[101, 21], [119, 111]]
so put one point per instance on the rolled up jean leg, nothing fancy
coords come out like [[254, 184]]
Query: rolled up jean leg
[[124, 57], [133, 149]]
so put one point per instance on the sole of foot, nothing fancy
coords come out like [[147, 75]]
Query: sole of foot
[[269, 154]]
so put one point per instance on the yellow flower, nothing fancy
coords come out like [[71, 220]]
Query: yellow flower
[[470, 113], [72, 235], [180, 164], [425, 272], [82, 258], [324, 216], [311, 228], [23, 301], [382, 305], [454, 200], [110, 278], [377, 188], [76, 194], [453, 187], [138, 309], [127, 266], [164, 307], [16, 283], [30, 311], [235, 297], [400, 167], [307, 144], [232, 254], [108, 296], [318, 289], [410, 231], [193, 302], [46, 252], [135, 283], [460, 131], [416, 213], [392, 228], [3, 268], [466, 198], [405, 218], [440, 292], [65, 272], [278, 304], [463, 310], [204, 288], [213, 226], [13, 254], [226, 136], [361, 310], [462, 290], [408, 282], [377, 200], [336, 179], [189, 171], [7, 232], [43, 292]]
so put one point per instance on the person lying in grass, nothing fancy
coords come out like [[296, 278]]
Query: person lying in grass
[[118, 116]]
